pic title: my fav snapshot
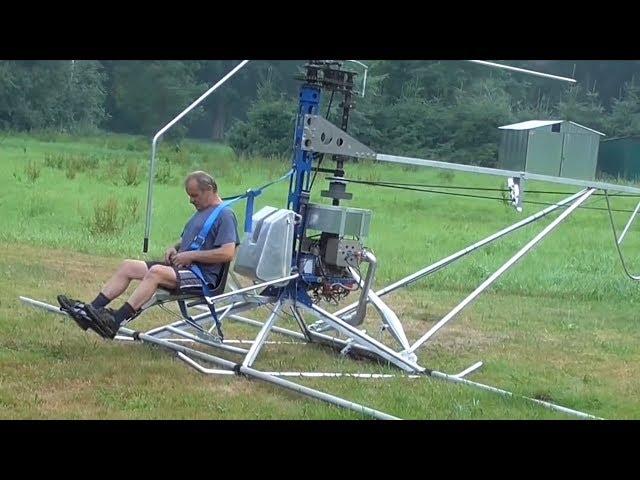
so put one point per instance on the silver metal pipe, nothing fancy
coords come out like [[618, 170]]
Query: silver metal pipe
[[468, 370], [261, 337], [284, 331], [265, 377], [237, 307], [376, 346], [254, 287], [340, 375], [461, 253], [266, 342], [631, 219], [226, 342], [204, 341], [147, 228], [178, 323], [202, 369], [505, 173], [300, 321], [359, 408], [552, 406], [511, 262], [366, 69], [43, 305], [523, 70], [221, 317], [388, 316], [361, 312]]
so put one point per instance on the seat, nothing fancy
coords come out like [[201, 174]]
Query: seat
[[196, 297], [164, 295]]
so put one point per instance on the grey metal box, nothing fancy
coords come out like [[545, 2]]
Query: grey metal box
[[339, 220], [339, 249]]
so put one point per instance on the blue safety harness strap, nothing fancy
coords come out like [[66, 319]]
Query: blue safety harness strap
[[197, 244], [199, 240]]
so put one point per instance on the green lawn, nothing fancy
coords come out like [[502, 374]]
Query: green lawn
[[561, 325]]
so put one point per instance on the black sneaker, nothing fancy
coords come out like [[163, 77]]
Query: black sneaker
[[74, 309], [104, 319]]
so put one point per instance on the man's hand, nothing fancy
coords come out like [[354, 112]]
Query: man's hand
[[182, 259], [169, 254]]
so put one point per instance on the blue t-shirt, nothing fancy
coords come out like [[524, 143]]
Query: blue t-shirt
[[225, 230]]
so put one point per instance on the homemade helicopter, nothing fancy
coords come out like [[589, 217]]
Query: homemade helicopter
[[308, 253]]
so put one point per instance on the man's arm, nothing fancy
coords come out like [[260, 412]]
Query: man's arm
[[223, 254], [170, 252]]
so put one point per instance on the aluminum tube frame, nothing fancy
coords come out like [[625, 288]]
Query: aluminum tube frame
[[199, 319], [326, 397], [305, 374], [252, 287], [387, 315], [631, 219], [43, 305], [147, 228], [505, 173], [195, 338], [256, 323], [261, 337], [300, 320], [361, 312], [552, 406], [376, 346], [433, 268], [506, 266]]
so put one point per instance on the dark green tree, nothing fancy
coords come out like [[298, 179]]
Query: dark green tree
[[269, 127]]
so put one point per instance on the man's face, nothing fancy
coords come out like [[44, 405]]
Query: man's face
[[198, 198]]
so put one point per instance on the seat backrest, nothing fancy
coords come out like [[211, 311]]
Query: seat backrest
[[222, 283]]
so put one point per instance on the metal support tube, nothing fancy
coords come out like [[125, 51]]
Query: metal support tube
[[468, 370], [361, 312], [265, 377], [461, 253], [262, 336], [152, 165], [511, 262], [631, 219], [256, 323], [43, 305], [505, 173], [300, 320], [380, 348], [551, 406], [195, 338], [237, 307], [254, 287], [202, 369], [389, 317]]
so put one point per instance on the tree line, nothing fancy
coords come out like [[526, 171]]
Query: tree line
[[430, 109]]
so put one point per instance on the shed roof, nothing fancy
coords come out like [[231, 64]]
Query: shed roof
[[530, 124]]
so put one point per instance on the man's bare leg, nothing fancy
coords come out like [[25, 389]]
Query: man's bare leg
[[156, 276], [119, 282], [109, 321]]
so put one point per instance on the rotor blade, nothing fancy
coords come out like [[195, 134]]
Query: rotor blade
[[523, 70]]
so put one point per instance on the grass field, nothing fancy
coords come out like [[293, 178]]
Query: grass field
[[561, 325]]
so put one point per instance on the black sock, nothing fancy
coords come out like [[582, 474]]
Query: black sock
[[100, 301], [125, 312]]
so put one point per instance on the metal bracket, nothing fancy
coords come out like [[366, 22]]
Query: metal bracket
[[515, 192], [322, 136]]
